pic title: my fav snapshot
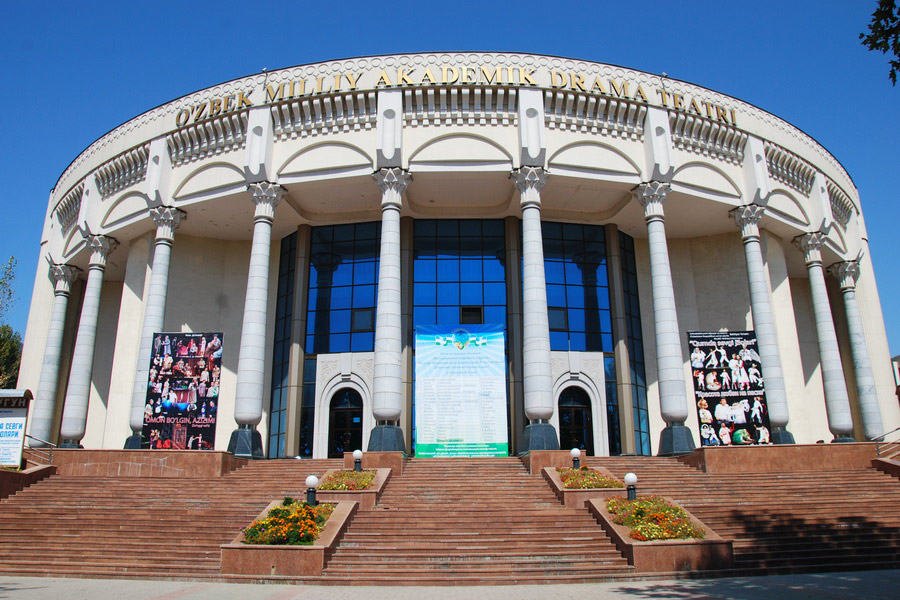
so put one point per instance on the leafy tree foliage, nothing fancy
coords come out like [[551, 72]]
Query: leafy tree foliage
[[884, 34], [10, 354], [7, 276]]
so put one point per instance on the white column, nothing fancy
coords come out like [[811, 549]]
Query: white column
[[387, 392], [676, 438], [41, 427], [167, 220], [388, 379], [747, 219], [248, 401], [537, 381], [869, 411], [837, 402], [76, 406]]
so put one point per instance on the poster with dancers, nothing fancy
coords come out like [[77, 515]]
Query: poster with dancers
[[182, 391], [729, 388]]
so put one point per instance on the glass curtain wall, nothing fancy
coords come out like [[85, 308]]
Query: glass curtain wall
[[281, 346]]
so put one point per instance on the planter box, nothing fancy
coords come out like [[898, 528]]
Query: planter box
[[378, 460], [295, 561], [662, 556], [536, 460], [579, 498], [781, 458], [367, 498]]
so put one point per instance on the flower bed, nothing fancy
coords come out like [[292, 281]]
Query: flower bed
[[263, 560], [366, 496], [293, 523], [347, 481], [578, 497], [586, 478], [706, 552], [653, 518]]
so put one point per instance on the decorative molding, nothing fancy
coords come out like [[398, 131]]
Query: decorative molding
[[62, 276], [707, 137], [392, 183], [100, 247], [846, 272], [167, 219], [841, 207], [122, 171], [652, 196], [69, 207], [594, 113], [265, 196], [811, 246], [530, 181], [319, 115], [747, 218], [460, 105], [208, 138], [789, 169]]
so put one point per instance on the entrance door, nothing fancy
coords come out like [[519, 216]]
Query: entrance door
[[576, 429], [345, 423]]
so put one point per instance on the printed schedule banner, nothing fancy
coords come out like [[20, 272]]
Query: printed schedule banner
[[729, 389], [461, 391], [183, 391], [13, 413]]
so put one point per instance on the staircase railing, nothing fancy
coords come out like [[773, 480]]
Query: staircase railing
[[42, 453], [891, 449]]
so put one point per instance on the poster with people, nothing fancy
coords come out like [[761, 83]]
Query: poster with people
[[183, 391], [729, 388]]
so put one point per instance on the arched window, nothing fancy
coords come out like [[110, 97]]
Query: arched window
[[345, 423], [576, 428]]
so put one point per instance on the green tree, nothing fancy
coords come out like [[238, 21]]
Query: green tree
[[7, 277], [10, 355], [884, 34]]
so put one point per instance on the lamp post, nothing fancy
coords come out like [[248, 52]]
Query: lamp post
[[357, 461], [576, 458], [311, 482], [631, 485]]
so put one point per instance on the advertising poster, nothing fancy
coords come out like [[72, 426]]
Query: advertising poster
[[729, 389], [461, 391], [183, 391], [13, 412]]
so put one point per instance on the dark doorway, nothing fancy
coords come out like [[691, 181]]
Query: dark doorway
[[576, 428], [345, 423]]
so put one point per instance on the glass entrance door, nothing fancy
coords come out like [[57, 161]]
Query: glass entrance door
[[345, 423], [576, 428]]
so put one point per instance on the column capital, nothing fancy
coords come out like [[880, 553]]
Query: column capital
[[392, 182], [100, 246], [266, 196], [747, 218], [530, 181], [62, 276], [652, 195], [847, 272], [811, 246], [167, 219]]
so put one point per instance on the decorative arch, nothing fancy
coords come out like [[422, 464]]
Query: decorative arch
[[325, 159], [599, 160], [484, 154], [323, 410], [125, 208], [706, 178], [598, 406], [209, 177], [784, 204]]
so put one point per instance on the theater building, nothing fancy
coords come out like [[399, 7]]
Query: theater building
[[318, 246]]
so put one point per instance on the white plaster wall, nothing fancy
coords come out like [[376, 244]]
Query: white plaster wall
[[583, 370], [334, 372], [207, 286], [127, 342], [808, 419]]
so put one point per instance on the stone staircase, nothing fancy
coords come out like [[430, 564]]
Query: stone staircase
[[484, 521], [784, 522], [140, 527]]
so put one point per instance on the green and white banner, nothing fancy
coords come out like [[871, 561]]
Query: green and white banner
[[461, 391]]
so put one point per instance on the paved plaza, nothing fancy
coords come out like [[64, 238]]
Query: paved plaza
[[825, 586]]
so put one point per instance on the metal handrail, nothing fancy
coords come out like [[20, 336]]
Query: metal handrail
[[45, 453], [879, 440]]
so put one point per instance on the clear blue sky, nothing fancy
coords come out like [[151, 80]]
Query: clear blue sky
[[74, 70]]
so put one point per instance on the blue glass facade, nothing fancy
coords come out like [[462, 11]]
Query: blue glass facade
[[343, 281], [635, 344], [281, 346]]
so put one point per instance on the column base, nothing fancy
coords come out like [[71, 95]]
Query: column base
[[246, 442], [386, 438], [675, 439], [133, 442], [71, 444], [540, 435], [780, 435], [843, 439]]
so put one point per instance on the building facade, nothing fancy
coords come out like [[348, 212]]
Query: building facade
[[316, 217]]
